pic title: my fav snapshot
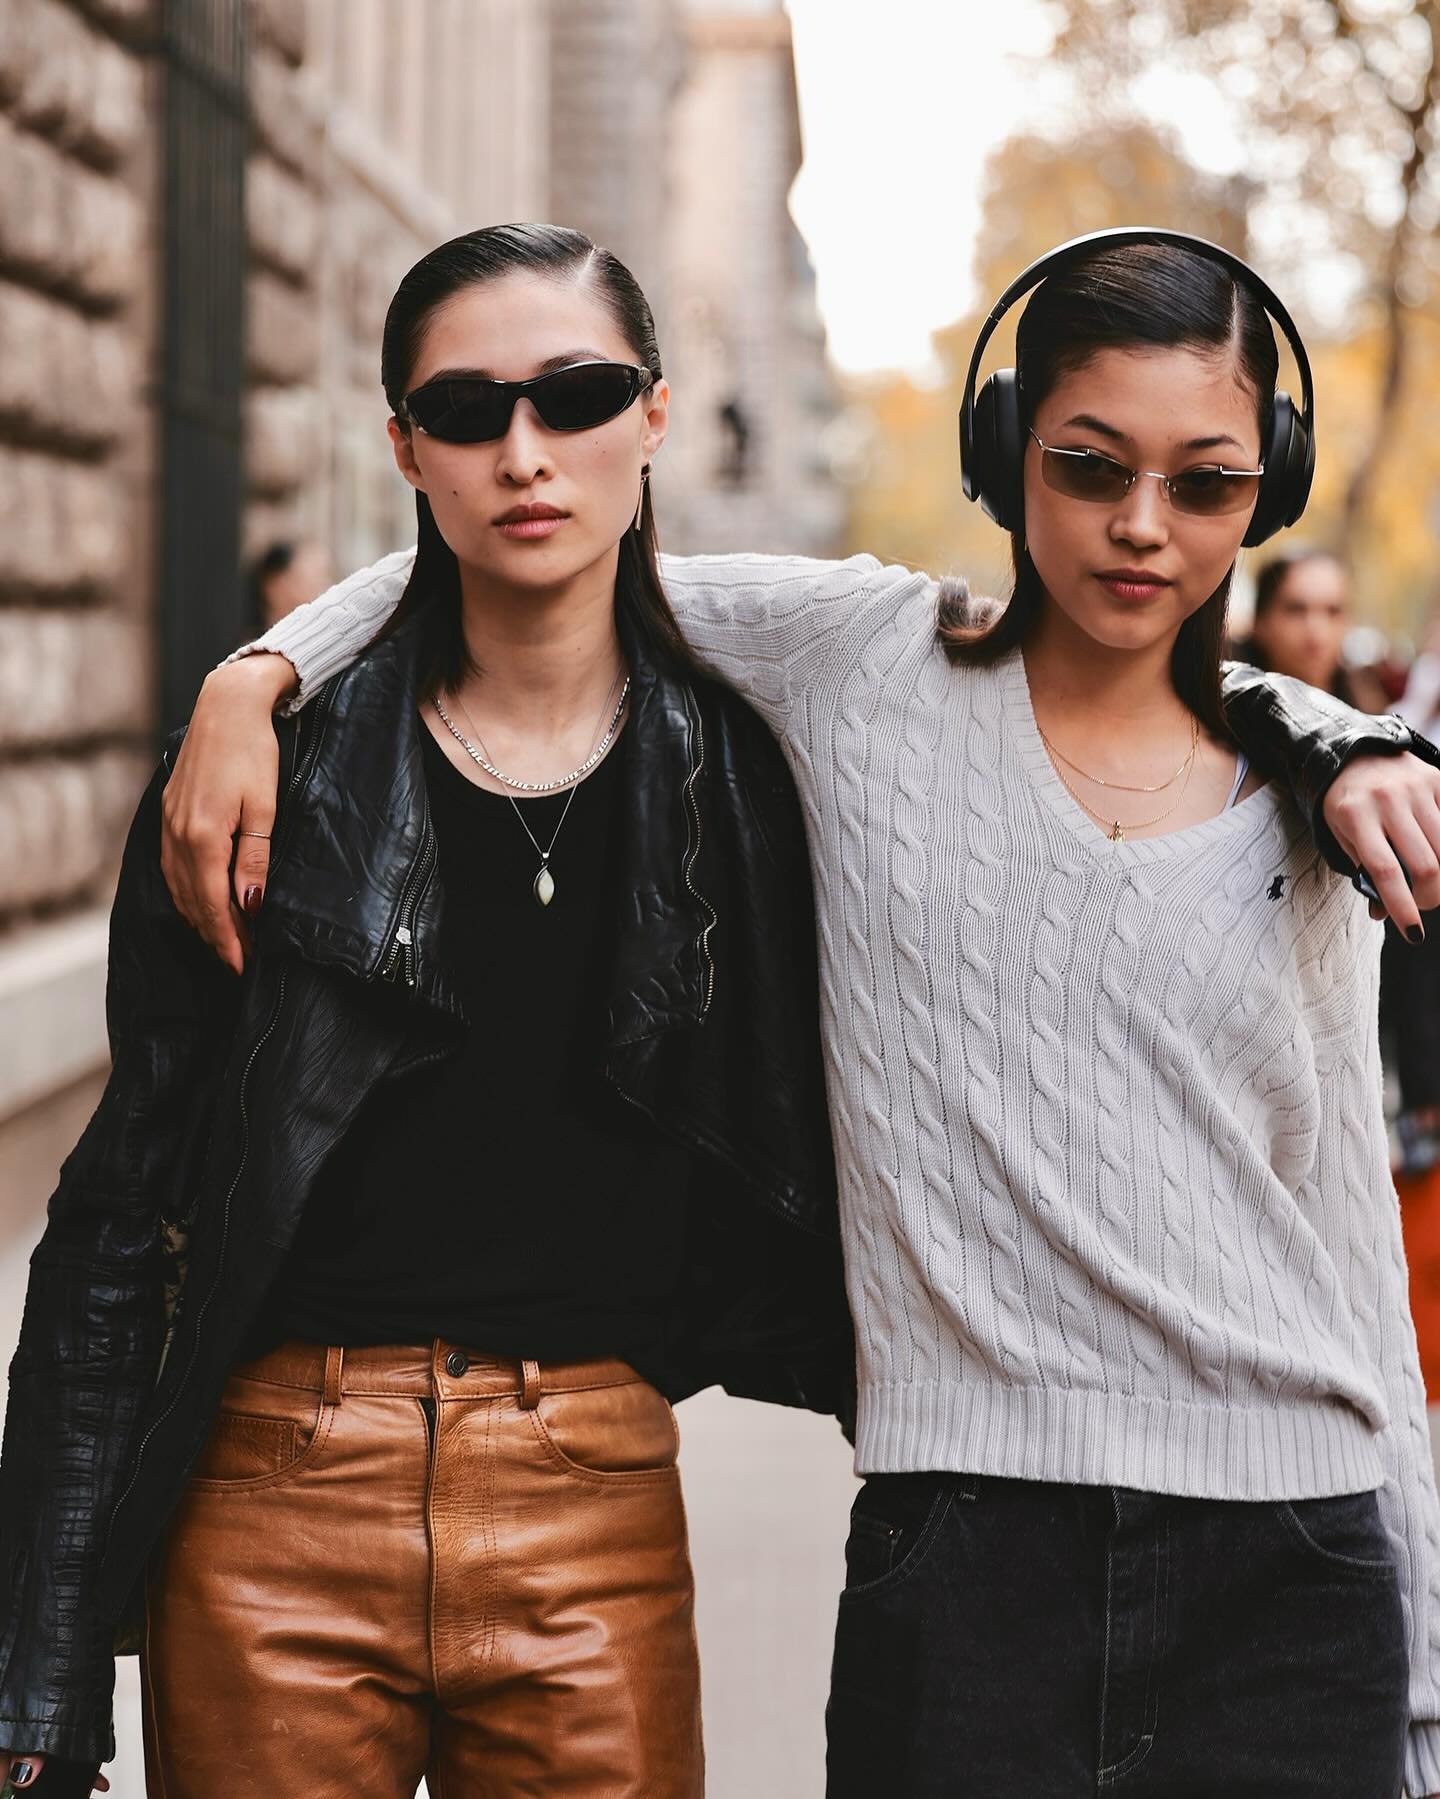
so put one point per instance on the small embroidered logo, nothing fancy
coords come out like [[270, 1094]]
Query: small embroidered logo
[[1276, 889]]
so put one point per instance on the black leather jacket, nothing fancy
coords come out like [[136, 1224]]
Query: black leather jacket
[[174, 1212]]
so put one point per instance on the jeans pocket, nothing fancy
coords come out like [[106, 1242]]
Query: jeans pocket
[[893, 1523], [1341, 1532]]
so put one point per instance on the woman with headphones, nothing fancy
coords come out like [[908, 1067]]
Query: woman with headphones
[[1148, 1506]]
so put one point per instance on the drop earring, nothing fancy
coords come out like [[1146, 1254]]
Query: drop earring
[[640, 508]]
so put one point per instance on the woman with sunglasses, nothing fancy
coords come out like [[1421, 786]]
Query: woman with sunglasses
[[350, 1344], [1139, 1413]]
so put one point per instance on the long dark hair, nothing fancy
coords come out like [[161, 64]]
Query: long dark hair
[[468, 261], [1158, 296]]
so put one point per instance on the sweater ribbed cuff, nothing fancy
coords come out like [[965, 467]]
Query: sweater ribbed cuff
[[1422, 1760], [320, 639]]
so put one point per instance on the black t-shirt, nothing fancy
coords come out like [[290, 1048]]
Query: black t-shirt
[[507, 1197]]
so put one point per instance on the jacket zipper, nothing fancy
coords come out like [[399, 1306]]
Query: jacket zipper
[[402, 954], [305, 760], [260, 1043], [707, 963]]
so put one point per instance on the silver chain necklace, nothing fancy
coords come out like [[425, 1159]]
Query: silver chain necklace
[[483, 758], [543, 886]]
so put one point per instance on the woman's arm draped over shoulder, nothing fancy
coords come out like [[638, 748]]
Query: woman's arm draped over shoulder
[[327, 634], [1368, 801], [762, 624], [767, 625], [95, 1311]]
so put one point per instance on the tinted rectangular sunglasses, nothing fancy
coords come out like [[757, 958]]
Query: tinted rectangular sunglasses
[[466, 409], [1206, 491]]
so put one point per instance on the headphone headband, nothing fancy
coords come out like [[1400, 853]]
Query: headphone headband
[[1078, 247]]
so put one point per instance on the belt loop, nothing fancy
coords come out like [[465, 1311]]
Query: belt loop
[[530, 1385], [334, 1364]]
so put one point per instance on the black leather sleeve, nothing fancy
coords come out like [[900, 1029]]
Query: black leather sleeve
[[1305, 737], [94, 1322]]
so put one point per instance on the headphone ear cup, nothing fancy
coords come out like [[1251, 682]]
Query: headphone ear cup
[[998, 451], [1289, 470]]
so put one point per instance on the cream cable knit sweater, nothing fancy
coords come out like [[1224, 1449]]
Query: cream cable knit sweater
[[1113, 1175]]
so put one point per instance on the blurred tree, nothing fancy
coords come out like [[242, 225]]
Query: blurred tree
[[1335, 105]]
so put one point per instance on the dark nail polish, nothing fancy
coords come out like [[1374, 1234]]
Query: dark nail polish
[[1415, 933], [252, 899], [20, 1773]]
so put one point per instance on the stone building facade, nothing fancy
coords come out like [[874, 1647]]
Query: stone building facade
[[366, 131], [373, 131], [748, 464], [77, 308]]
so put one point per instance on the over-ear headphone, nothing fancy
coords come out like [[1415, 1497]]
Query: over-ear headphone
[[992, 428]]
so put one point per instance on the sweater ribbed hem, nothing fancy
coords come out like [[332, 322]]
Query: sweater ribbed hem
[[1111, 1440], [1422, 1760]]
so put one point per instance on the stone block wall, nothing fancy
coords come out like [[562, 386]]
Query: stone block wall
[[76, 308]]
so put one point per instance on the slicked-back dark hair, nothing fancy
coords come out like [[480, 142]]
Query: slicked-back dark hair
[[1129, 297], [556, 252]]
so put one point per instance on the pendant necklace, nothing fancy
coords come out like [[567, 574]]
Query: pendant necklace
[[543, 886], [1115, 830]]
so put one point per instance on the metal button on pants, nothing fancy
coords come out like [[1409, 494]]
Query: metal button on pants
[[381, 1571]]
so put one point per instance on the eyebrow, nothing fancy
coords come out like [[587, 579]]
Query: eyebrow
[[548, 367], [1091, 423]]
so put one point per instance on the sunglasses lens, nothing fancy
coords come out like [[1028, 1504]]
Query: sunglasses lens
[[1209, 492], [575, 398], [1084, 475], [463, 412]]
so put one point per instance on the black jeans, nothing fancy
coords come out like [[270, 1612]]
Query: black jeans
[[1004, 1639]]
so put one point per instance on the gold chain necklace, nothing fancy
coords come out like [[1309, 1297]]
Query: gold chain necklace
[[1122, 786], [1115, 828]]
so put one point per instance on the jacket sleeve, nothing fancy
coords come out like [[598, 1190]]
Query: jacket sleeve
[[1306, 737], [92, 1335]]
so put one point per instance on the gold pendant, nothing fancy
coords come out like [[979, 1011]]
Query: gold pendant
[[544, 887], [1117, 835]]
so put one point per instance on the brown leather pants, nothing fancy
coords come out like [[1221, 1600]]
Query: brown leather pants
[[396, 1563]]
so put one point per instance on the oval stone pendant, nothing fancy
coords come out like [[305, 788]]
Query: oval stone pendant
[[544, 888]]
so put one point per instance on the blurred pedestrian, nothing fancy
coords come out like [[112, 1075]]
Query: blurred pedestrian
[[1302, 611], [287, 574], [1120, 1239]]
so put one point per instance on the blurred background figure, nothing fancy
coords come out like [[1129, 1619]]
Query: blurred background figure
[[285, 575], [1302, 609], [1302, 627]]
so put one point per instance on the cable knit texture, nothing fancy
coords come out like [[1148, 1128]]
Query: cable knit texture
[[1114, 1178]]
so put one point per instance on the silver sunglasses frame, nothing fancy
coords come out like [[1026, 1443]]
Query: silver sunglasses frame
[[1141, 474]]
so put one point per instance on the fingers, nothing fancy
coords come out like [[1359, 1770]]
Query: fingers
[[1387, 877], [223, 783], [1385, 815], [25, 1771], [252, 851]]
